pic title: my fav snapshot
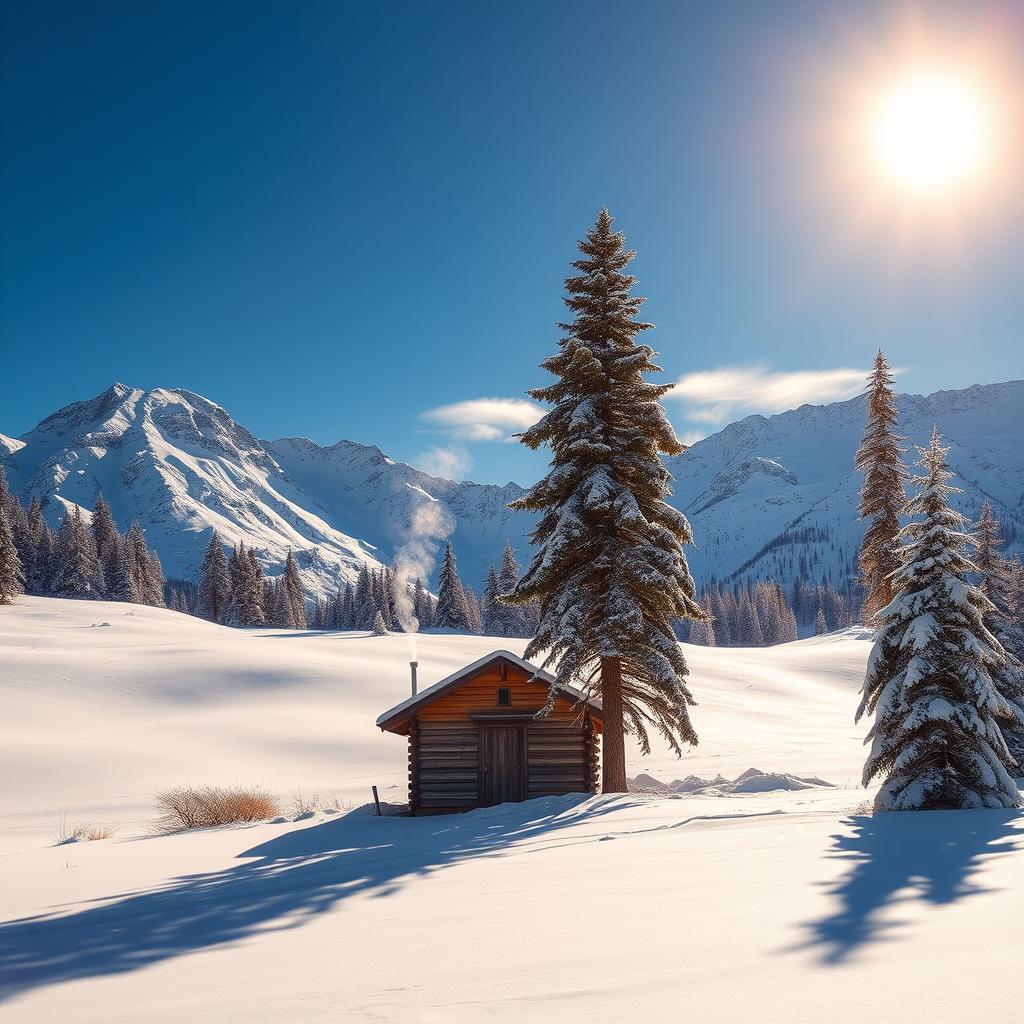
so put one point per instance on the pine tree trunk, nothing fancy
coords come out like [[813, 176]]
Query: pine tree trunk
[[613, 767]]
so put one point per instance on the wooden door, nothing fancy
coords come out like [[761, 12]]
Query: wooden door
[[502, 764]]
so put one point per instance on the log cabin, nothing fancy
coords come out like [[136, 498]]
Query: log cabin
[[475, 740]]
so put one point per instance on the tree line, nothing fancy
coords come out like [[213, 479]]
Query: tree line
[[232, 590], [762, 614], [78, 560]]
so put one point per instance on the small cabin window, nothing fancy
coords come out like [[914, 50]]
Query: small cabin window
[[504, 696]]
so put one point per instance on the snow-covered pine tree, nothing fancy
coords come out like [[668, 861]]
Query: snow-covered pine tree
[[936, 738], [214, 582], [509, 619], [379, 625], [12, 578], [349, 620], [121, 582], [138, 559], [702, 633], [32, 553], [882, 497], [451, 611], [295, 602], [154, 593], [77, 571], [820, 625], [609, 570], [473, 610], [490, 613], [104, 531], [997, 582], [253, 575]]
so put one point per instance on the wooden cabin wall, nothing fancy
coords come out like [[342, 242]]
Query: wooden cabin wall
[[445, 773]]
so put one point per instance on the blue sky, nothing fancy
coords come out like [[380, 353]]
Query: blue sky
[[353, 221]]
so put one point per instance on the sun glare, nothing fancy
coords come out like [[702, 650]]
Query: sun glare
[[932, 133]]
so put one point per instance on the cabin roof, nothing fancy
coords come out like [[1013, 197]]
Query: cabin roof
[[401, 711]]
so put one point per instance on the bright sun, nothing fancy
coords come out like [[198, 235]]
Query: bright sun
[[932, 133]]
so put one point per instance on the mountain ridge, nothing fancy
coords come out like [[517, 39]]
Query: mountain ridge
[[768, 495]]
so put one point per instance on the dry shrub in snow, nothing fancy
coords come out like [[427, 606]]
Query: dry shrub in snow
[[301, 803], [82, 832], [186, 807]]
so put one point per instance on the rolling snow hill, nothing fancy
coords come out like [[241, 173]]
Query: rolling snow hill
[[768, 496], [739, 907]]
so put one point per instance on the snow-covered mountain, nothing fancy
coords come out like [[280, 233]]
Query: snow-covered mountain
[[776, 496], [181, 465], [767, 496]]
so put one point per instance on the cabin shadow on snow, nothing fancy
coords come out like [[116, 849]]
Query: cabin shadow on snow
[[898, 858], [281, 884]]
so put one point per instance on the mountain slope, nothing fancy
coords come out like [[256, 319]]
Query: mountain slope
[[359, 489], [180, 465], [776, 496], [768, 496]]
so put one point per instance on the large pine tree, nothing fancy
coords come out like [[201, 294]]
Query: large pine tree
[[936, 738], [214, 581], [292, 596], [882, 498], [609, 570], [451, 611], [12, 579]]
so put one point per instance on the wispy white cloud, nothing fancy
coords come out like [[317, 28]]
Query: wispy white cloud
[[716, 396], [452, 462], [484, 419]]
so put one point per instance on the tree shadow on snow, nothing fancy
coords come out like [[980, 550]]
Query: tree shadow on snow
[[282, 883], [899, 857]]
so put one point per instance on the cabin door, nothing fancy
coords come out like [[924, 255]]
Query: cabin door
[[502, 764]]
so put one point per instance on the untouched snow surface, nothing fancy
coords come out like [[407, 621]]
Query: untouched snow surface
[[747, 907]]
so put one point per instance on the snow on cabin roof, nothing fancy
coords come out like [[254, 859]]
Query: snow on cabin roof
[[463, 673]]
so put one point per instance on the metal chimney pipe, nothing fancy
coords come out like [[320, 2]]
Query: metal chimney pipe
[[412, 666]]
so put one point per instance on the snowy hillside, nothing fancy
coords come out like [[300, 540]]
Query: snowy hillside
[[181, 466], [776, 497], [360, 490], [740, 907], [768, 497]]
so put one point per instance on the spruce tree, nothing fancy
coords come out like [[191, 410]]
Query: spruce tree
[[34, 557], [882, 497], [104, 532], [295, 602], [214, 582], [609, 570], [997, 582], [509, 619], [76, 572], [379, 626], [936, 739], [451, 611], [820, 625], [122, 584], [12, 579], [490, 612], [473, 610]]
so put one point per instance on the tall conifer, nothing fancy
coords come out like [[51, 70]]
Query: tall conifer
[[936, 738], [609, 570], [451, 611], [882, 497], [12, 579]]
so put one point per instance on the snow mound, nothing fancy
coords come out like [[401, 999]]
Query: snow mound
[[753, 780]]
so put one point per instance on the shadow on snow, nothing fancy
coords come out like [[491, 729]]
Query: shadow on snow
[[283, 882], [899, 857]]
